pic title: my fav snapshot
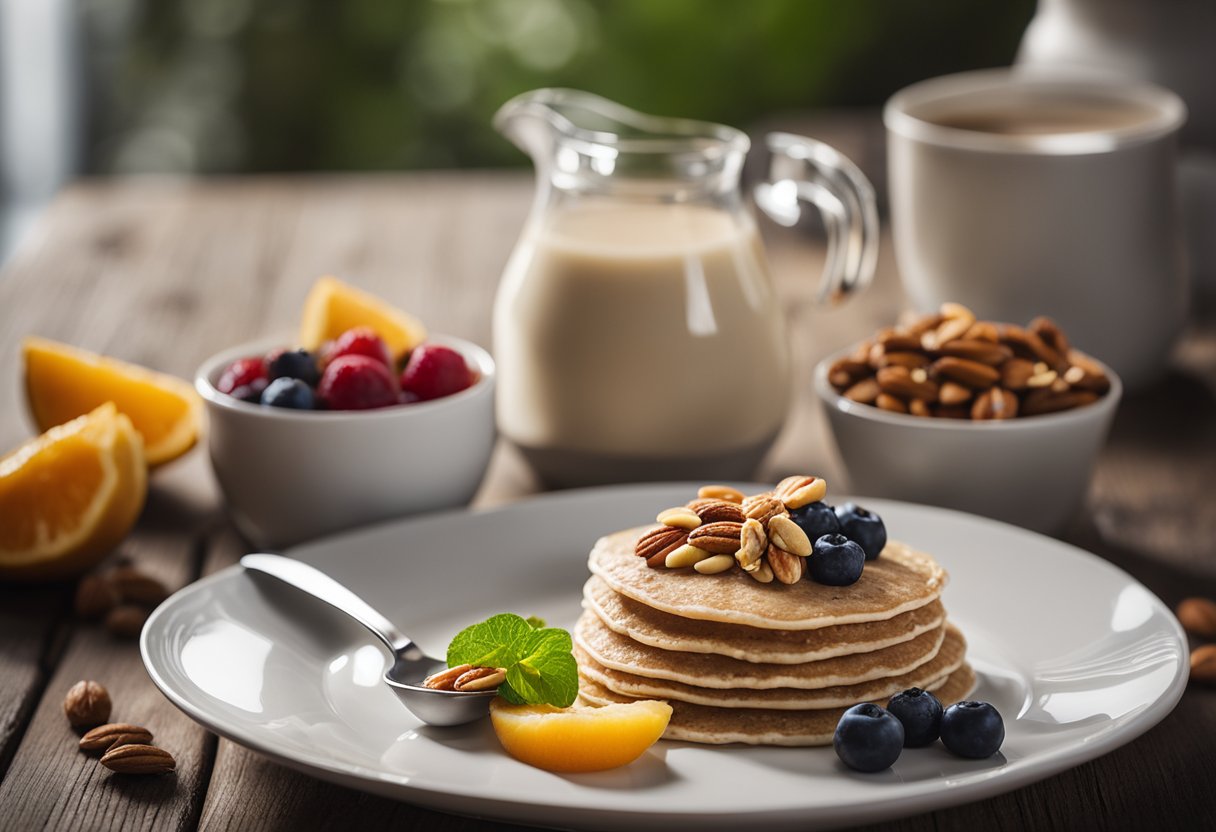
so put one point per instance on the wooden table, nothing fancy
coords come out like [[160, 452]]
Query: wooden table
[[167, 273]]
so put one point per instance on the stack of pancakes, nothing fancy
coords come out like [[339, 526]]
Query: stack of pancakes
[[765, 664]]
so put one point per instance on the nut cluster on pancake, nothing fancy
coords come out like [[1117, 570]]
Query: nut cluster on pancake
[[723, 528]]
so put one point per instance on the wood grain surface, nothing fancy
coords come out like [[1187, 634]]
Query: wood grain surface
[[167, 273]]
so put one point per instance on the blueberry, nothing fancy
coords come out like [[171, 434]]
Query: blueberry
[[863, 526], [816, 519], [972, 729], [836, 561], [294, 364], [289, 392], [868, 738], [920, 713]]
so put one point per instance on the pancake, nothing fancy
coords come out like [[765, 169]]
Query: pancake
[[947, 660], [617, 652], [757, 726], [669, 632], [898, 581]]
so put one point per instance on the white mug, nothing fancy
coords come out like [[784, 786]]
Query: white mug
[[1021, 194]]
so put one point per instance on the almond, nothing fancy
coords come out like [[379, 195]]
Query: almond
[[845, 372], [1203, 664], [722, 538], [786, 568], [911, 360], [1091, 375], [95, 596], [995, 403], [895, 341], [892, 404], [87, 704], [983, 331], [801, 490], [126, 620], [1015, 373], [138, 588], [1198, 617], [655, 545], [864, 391], [714, 511], [114, 734], [971, 373], [953, 393], [981, 351], [1029, 345], [1046, 400], [685, 557], [138, 759], [1050, 332], [900, 381]]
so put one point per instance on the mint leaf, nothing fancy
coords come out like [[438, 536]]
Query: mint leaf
[[492, 643], [546, 671], [538, 659]]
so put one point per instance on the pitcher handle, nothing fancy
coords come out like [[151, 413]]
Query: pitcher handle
[[805, 170]]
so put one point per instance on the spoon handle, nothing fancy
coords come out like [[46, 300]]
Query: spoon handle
[[324, 588]]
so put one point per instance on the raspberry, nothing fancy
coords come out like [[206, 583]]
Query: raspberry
[[361, 340], [434, 371], [357, 382], [244, 379]]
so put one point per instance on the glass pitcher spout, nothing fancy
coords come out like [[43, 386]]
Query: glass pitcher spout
[[582, 140]]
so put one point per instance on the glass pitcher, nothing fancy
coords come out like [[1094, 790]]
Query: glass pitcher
[[636, 329]]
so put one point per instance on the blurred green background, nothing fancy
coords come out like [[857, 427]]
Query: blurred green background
[[213, 86]]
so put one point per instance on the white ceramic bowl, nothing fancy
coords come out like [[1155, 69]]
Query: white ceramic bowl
[[290, 475], [1033, 472]]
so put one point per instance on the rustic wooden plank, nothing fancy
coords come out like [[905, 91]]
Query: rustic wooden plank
[[52, 785]]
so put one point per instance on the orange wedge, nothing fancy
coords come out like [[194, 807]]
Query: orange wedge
[[63, 382], [579, 739], [332, 307], [69, 496]]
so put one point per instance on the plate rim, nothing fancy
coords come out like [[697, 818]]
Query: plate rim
[[1001, 779]]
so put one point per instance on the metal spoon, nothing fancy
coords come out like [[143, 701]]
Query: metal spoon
[[410, 665]]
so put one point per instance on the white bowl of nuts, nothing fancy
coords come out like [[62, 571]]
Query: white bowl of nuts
[[995, 419]]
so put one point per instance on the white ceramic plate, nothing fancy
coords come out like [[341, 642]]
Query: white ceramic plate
[[1078, 657]]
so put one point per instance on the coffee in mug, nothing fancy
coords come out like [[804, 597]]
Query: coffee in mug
[[1019, 195]]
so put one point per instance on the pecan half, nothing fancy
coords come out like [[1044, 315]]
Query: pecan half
[[786, 568], [113, 735], [800, 490], [138, 759], [763, 507]]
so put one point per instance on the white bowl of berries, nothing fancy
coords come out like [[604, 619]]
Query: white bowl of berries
[[304, 444]]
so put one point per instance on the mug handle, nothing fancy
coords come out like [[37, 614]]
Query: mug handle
[[805, 170]]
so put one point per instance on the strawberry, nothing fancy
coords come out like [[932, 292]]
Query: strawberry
[[434, 371], [357, 382]]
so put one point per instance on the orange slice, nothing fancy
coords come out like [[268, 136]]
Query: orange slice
[[63, 382], [579, 739], [332, 307], [69, 496]]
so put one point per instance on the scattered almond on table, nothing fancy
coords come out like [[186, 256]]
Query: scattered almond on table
[[1198, 617], [122, 596], [125, 748], [953, 366]]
